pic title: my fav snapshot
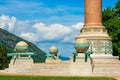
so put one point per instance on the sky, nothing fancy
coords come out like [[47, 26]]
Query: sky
[[46, 22]]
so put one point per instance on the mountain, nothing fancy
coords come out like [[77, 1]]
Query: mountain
[[9, 40]]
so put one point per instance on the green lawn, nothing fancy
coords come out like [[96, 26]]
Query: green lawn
[[52, 78]]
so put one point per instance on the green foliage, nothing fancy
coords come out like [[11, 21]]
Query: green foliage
[[117, 8], [52, 78], [111, 20], [4, 60]]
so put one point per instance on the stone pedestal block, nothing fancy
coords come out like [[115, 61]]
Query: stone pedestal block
[[81, 68], [20, 65]]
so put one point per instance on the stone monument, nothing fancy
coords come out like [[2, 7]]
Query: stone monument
[[102, 61], [53, 55], [93, 30], [82, 62], [92, 39], [21, 59], [81, 47]]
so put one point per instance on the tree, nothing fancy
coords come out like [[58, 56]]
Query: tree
[[4, 60], [111, 20], [117, 8]]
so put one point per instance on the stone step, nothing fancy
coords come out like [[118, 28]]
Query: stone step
[[109, 68], [106, 65], [50, 67], [45, 68], [48, 72], [109, 72], [106, 74], [50, 64], [106, 60], [106, 70], [104, 56]]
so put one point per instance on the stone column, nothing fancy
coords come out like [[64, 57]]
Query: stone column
[[93, 12], [93, 30]]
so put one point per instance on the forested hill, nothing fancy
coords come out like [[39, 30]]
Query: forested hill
[[9, 40]]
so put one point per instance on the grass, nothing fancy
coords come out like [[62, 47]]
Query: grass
[[4, 77]]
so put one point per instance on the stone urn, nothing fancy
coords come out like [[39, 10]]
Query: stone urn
[[81, 45], [21, 47], [53, 50]]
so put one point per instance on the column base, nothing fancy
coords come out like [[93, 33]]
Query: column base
[[100, 41]]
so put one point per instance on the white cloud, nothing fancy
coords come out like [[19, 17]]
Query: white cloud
[[78, 26], [53, 31], [30, 36], [7, 23], [11, 24], [75, 31], [38, 31]]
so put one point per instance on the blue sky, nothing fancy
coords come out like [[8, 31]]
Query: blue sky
[[66, 12], [45, 22]]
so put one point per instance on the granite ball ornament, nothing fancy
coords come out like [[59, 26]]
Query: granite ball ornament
[[81, 45], [53, 50], [21, 47]]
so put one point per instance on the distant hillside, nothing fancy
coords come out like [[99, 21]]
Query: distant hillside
[[9, 40]]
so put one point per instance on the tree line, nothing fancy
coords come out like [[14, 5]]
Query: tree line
[[111, 20]]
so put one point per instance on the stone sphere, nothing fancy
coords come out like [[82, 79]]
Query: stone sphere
[[21, 47], [53, 50], [22, 43], [81, 45], [81, 41]]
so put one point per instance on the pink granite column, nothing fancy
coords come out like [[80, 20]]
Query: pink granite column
[[93, 12]]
